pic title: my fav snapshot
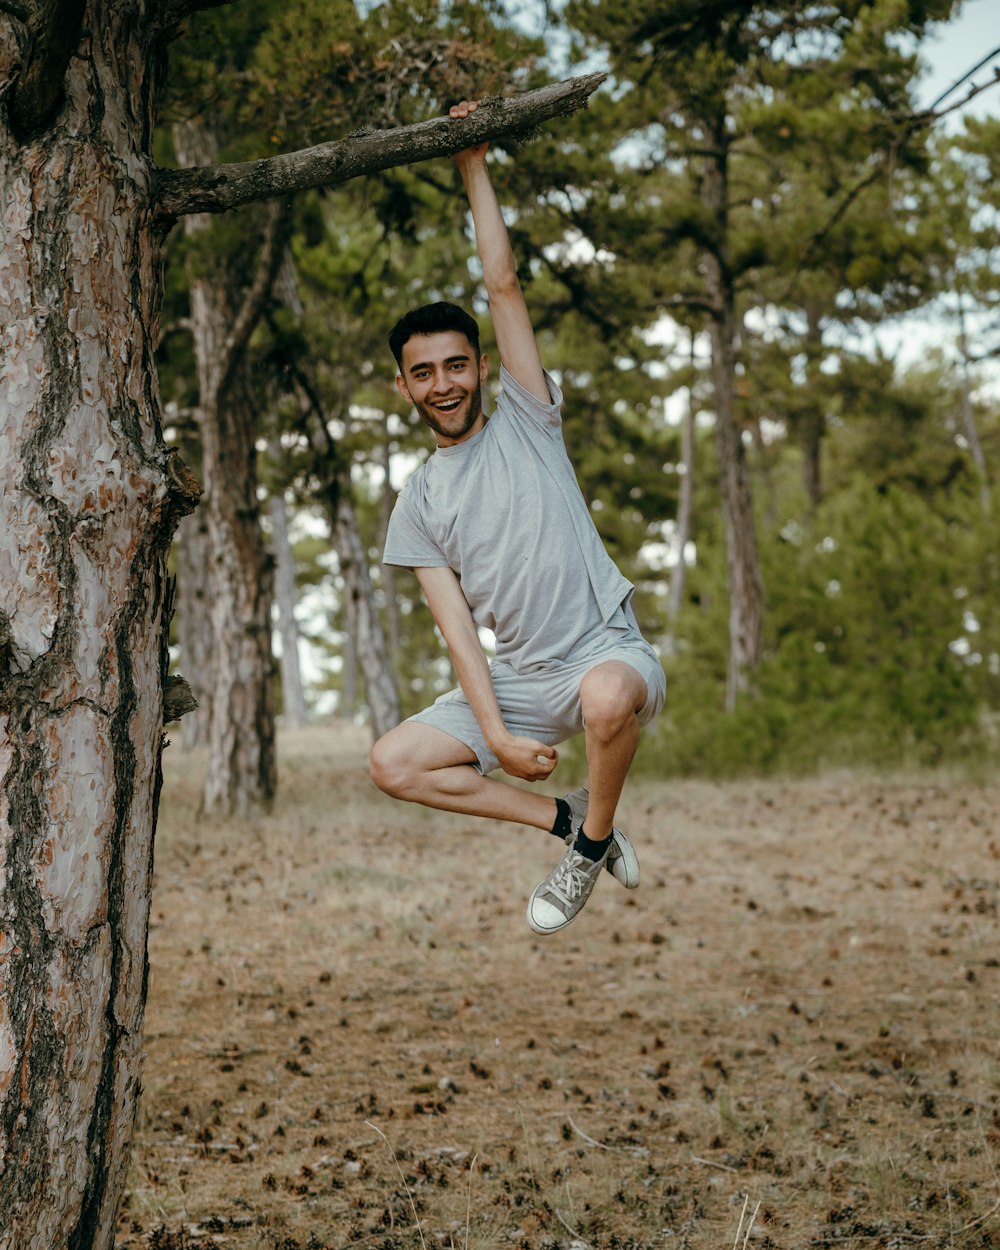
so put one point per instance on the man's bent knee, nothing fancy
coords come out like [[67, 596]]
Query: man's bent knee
[[390, 766], [610, 696], [405, 759]]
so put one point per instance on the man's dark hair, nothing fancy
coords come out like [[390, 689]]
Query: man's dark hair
[[432, 319]]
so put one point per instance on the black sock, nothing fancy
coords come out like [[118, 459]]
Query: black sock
[[592, 850], [562, 827]]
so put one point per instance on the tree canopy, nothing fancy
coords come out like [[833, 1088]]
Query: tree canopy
[[761, 169]]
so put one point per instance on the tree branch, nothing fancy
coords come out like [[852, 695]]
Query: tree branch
[[268, 263], [179, 325], [910, 126], [216, 188], [53, 34], [971, 94], [582, 302], [965, 77]]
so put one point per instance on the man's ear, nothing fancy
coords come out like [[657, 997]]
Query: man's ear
[[484, 367], [402, 388]]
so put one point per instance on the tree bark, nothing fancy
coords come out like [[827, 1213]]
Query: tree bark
[[242, 763], [293, 701], [53, 30], [89, 496], [742, 564]]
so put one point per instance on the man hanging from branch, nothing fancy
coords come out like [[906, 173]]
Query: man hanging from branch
[[499, 535]]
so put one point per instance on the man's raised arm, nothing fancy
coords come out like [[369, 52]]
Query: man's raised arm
[[511, 322]]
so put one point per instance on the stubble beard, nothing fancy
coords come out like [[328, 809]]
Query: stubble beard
[[431, 418]]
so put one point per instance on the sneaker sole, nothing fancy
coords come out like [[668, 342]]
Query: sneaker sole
[[543, 932], [623, 865]]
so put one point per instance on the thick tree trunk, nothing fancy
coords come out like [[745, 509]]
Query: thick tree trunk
[[242, 764], [89, 496], [293, 701], [363, 625], [743, 568]]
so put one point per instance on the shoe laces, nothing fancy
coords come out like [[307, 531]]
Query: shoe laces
[[571, 877]]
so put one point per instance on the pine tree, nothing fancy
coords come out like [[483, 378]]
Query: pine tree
[[703, 91], [89, 497]]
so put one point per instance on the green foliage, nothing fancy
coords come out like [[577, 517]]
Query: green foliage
[[881, 616], [859, 667]]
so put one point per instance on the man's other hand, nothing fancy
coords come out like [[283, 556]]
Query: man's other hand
[[526, 758]]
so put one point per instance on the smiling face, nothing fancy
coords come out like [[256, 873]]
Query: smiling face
[[443, 380]]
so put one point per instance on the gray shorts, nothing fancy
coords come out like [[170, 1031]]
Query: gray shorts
[[545, 703]]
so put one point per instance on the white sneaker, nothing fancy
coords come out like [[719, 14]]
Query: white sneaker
[[560, 897], [622, 861]]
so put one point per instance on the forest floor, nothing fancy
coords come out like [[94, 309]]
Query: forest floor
[[354, 1040]]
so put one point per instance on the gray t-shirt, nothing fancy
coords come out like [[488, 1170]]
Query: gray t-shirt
[[503, 509]]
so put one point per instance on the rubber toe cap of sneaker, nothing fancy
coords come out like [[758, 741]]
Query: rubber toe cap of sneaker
[[543, 917]]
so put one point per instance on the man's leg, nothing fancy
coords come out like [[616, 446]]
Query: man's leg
[[420, 764], [611, 696]]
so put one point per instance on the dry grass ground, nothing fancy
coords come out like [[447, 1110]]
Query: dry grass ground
[[353, 1040]]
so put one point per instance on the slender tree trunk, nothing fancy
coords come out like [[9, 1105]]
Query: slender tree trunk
[[394, 633], [968, 419], [194, 627], [89, 496], [369, 654], [813, 420], [349, 681], [685, 507], [293, 699], [363, 624], [242, 765], [743, 569]]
